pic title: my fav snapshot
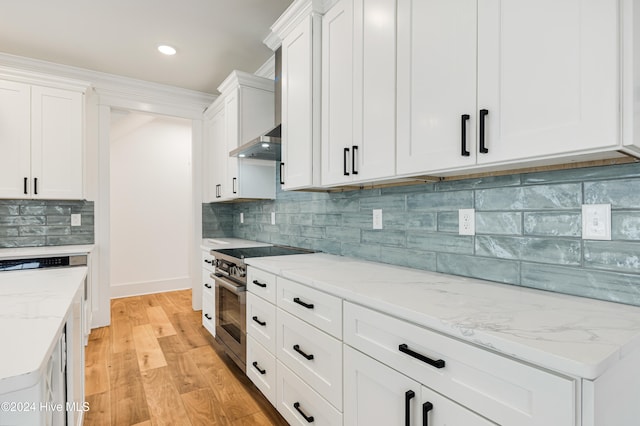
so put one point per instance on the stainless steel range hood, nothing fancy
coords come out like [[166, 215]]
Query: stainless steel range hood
[[267, 146]]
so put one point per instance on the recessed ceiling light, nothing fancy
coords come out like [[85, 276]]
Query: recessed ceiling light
[[265, 145], [166, 49], [242, 155]]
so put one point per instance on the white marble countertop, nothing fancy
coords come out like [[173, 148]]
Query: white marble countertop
[[223, 243], [15, 253], [33, 307], [571, 335]]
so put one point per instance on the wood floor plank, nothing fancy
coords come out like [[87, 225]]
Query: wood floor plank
[[186, 375], [99, 413], [160, 322], [189, 331], [163, 399], [97, 359], [121, 335], [203, 409], [149, 353], [128, 403], [136, 310]]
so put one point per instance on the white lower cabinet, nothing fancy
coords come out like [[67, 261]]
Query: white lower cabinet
[[208, 293], [261, 369], [378, 395], [499, 388], [299, 404], [312, 354]]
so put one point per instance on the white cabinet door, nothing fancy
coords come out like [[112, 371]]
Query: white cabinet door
[[358, 91], [300, 103], [436, 84], [15, 140], [215, 166], [548, 75], [232, 123], [440, 411], [374, 89], [337, 94], [375, 394], [56, 141]]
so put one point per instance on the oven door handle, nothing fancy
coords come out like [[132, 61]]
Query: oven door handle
[[229, 285]]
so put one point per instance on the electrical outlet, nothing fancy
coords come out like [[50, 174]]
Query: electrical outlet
[[76, 219], [273, 218], [467, 222], [596, 221], [241, 217]]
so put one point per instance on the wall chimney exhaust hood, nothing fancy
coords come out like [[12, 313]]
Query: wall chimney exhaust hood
[[267, 146]]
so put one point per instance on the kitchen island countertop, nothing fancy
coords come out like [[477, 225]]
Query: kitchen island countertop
[[34, 305], [572, 335]]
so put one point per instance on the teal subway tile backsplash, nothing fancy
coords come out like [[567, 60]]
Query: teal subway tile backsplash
[[554, 224], [625, 225], [33, 223], [528, 228]]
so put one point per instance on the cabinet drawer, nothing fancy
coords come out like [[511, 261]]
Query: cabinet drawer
[[262, 283], [207, 261], [208, 313], [501, 389], [261, 321], [261, 369], [313, 355], [208, 284], [315, 307], [296, 400]]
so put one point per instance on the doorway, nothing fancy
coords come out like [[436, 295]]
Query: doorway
[[150, 203]]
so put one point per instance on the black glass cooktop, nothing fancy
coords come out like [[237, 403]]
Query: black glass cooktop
[[249, 252]]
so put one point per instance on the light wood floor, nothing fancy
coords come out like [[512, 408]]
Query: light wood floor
[[156, 365]]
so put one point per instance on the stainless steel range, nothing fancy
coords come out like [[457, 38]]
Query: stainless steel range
[[230, 277]]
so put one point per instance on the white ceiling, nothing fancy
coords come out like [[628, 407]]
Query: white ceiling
[[213, 37]]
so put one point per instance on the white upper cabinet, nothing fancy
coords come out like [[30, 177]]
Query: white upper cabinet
[[244, 111], [493, 82], [299, 30], [436, 84], [358, 91], [41, 142], [15, 140], [548, 75], [215, 152]]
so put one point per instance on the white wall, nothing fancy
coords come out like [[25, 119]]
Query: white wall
[[151, 208]]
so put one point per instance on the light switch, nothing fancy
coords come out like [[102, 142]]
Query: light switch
[[377, 218], [273, 218], [596, 221], [241, 217]]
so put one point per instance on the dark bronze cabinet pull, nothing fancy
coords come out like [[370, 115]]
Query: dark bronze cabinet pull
[[309, 419], [408, 396], [483, 147], [301, 303], [259, 284], [297, 349], [262, 323], [464, 119], [426, 407], [260, 370], [438, 363]]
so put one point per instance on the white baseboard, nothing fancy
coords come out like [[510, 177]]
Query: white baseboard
[[150, 287]]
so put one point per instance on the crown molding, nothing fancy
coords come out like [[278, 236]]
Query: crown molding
[[295, 13], [113, 90], [241, 78], [268, 69]]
